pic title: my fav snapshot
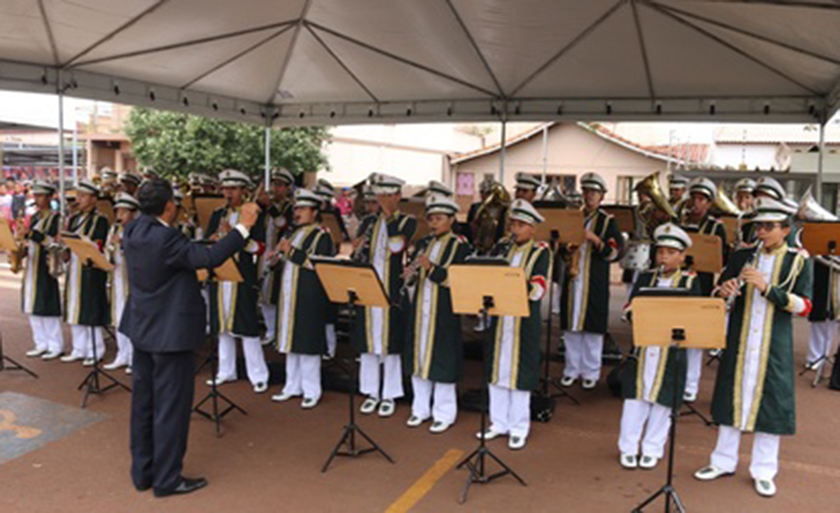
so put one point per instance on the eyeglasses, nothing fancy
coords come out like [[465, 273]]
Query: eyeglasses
[[767, 226]]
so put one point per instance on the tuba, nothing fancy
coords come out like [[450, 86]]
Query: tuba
[[488, 216], [650, 187], [724, 205], [811, 210], [17, 255]]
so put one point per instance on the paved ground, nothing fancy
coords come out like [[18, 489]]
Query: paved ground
[[270, 459]]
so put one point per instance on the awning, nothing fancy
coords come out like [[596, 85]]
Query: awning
[[359, 61]]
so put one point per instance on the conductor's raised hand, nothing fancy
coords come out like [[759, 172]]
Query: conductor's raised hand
[[249, 214]]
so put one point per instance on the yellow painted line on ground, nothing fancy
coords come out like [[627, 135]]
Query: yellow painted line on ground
[[423, 485]]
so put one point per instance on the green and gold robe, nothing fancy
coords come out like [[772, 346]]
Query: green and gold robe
[[649, 371], [513, 360], [380, 331], [585, 305], [86, 292], [302, 306], [40, 294], [233, 306], [754, 390], [434, 349]]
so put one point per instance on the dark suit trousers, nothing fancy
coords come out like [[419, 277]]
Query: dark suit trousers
[[161, 404]]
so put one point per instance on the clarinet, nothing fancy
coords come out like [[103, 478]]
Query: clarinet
[[730, 301]]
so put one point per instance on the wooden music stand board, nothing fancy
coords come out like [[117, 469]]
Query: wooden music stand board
[[662, 318], [706, 252], [354, 284], [87, 251], [204, 207], [486, 287], [330, 222], [569, 222], [228, 271], [821, 238]]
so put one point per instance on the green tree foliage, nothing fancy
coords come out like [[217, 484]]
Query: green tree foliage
[[176, 145]]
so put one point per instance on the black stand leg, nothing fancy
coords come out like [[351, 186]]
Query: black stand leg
[[91, 383], [547, 381], [818, 366], [694, 411], [8, 364], [475, 461], [668, 489], [214, 395], [348, 437]]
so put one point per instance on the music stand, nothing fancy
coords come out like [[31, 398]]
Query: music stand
[[485, 287], [820, 238], [353, 284], [228, 272], [568, 222], [547, 381], [8, 364], [706, 252], [88, 253], [668, 318]]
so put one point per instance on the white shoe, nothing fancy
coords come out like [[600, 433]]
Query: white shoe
[[710, 473], [34, 353], [308, 403], [648, 462], [414, 421], [589, 384], [51, 355], [765, 487], [387, 408], [128, 370], [568, 381], [480, 327], [219, 381], [490, 434], [689, 397], [628, 461], [369, 406], [438, 427], [267, 341], [282, 397], [517, 442], [88, 362], [114, 365], [72, 358], [260, 387]]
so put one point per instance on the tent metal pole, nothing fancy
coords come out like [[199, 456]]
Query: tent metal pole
[[545, 154], [75, 148], [267, 171], [61, 185], [820, 159], [502, 152]]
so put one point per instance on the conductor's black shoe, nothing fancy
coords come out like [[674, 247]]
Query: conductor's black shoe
[[187, 486], [142, 487]]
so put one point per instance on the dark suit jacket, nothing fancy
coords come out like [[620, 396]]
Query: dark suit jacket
[[165, 311]]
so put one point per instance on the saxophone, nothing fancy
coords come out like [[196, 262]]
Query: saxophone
[[19, 253]]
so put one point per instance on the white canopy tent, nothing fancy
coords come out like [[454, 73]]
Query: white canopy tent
[[287, 62]]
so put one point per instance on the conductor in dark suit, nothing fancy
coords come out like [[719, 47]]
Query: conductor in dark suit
[[166, 321]]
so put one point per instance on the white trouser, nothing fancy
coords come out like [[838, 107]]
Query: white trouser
[[694, 370], [445, 408], [46, 333], [270, 316], [583, 354], [822, 336], [653, 418], [303, 375], [369, 376], [332, 340], [82, 343], [765, 453], [510, 411], [125, 350], [254, 359]]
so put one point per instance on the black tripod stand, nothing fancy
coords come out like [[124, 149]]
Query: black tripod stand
[[547, 381], [91, 383], [475, 461], [348, 437], [214, 396], [8, 364], [668, 490]]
